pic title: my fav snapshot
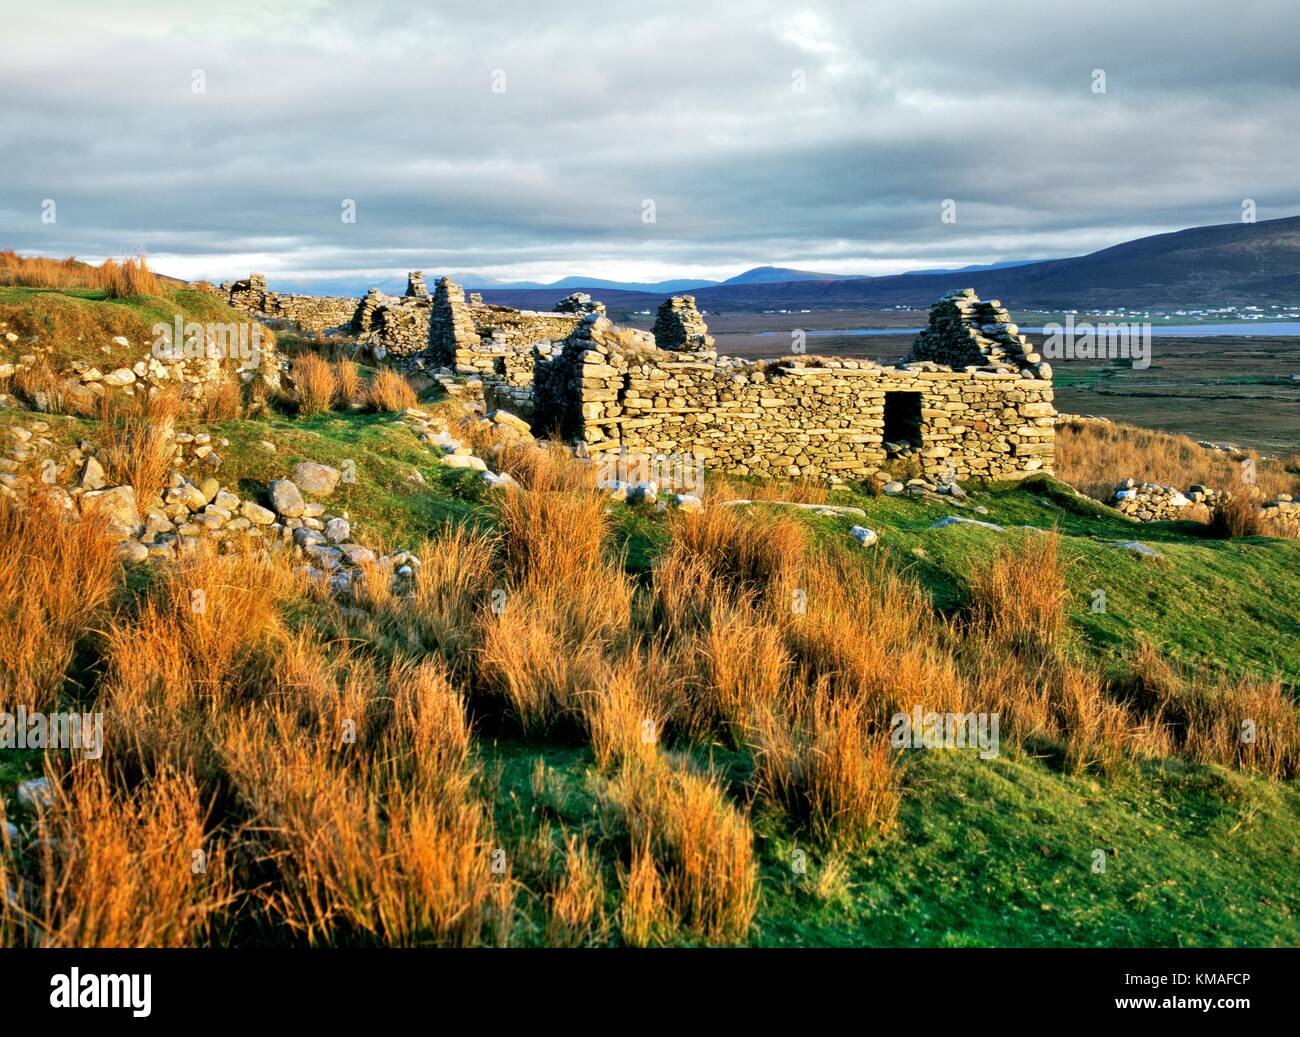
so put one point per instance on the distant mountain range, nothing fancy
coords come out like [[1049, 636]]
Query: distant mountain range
[[1229, 264], [352, 285], [575, 283], [1232, 263]]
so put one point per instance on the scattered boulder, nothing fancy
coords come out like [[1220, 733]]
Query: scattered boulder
[[953, 520], [512, 423], [356, 554], [35, 792], [465, 461], [1136, 547], [91, 476], [118, 505], [338, 530], [315, 480], [866, 537], [498, 481], [286, 498], [131, 552]]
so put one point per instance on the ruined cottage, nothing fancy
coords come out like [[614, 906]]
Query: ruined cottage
[[972, 399]]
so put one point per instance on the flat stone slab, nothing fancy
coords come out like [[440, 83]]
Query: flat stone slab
[[962, 520], [821, 509], [1136, 547]]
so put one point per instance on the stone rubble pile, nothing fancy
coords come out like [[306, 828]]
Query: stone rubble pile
[[1282, 514], [964, 331], [1152, 502], [308, 312], [129, 371], [579, 302]]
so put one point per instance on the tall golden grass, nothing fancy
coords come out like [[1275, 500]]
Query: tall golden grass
[[1096, 456], [347, 383], [700, 844], [824, 763], [116, 868], [137, 447], [335, 780], [314, 384], [1246, 722], [390, 391], [1236, 516], [118, 279], [57, 581], [1020, 596]]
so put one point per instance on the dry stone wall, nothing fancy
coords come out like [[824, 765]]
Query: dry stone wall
[[579, 302], [963, 331], [972, 400], [308, 312], [992, 418], [393, 325]]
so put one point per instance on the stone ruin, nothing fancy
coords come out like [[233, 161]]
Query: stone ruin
[[971, 400], [991, 417], [680, 326], [965, 331], [308, 312], [578, 302]]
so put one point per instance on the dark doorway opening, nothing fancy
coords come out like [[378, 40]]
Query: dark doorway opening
[[903, 418]]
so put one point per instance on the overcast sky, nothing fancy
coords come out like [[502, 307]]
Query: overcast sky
[[523, 140]]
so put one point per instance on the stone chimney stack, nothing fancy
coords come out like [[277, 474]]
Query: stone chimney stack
[[680, 326], [415, 288]]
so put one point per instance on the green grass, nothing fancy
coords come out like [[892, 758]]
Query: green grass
[[986, 853], [77, 322], [1003, 853], [998, 853]]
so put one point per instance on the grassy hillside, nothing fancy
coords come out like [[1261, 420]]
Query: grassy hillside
[[80, 323], [957, 851], [562, 718]]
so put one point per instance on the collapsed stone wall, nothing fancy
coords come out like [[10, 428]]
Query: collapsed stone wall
[[508, 328], [1152, 502], [972, 399], [802, 416], [441, 329], [964, 331], [308, 312], [396, 325], [493, 343], [578, 302]]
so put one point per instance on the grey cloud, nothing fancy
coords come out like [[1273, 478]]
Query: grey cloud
[[390, 104]]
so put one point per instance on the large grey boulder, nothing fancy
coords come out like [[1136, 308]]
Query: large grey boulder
[[286, 498], [316, 480]]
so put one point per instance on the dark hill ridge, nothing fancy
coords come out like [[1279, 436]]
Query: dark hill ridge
[[1232, 263]]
